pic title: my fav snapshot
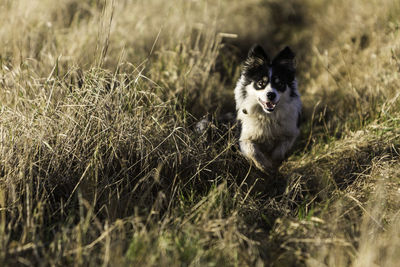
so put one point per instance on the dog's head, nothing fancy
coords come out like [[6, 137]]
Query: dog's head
[[268, 80]]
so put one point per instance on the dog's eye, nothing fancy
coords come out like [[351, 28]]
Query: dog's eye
[[261, 84], [278, 83]]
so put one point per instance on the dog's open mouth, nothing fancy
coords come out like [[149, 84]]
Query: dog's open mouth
[[268, 106]]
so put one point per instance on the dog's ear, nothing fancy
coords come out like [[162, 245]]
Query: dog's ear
[[255, 58], [256, 51], [286, 59]]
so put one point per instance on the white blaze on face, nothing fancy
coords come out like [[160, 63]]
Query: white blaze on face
[[267, 104]]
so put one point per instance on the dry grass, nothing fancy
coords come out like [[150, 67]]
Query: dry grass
[[100, 163]]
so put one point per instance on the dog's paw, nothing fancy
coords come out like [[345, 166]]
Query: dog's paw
[[266, 166]]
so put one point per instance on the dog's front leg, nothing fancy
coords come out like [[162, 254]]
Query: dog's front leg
[[253, 152], [280, 151]]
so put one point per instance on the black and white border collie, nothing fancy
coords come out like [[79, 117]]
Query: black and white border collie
[[268, 107]]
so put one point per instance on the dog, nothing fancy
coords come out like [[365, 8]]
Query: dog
[[268, 107]]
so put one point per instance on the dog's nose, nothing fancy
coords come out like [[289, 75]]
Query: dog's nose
[[271, 96]]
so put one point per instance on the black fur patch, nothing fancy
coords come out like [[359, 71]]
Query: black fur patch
[[298, 120], [293, 88], [283, 67], [244, 92], [258, 65], [285, 59], [279, 81]]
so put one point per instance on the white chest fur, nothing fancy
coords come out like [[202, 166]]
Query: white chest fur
[[261, 127]]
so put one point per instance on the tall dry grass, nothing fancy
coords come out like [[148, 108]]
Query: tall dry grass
[[100, 163]]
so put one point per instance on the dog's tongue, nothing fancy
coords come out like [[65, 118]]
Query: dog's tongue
[[270, 105]]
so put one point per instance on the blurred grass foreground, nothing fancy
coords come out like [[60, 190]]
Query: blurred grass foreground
[[100, 163]]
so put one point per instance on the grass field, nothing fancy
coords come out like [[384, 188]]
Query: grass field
[[100, 163]]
